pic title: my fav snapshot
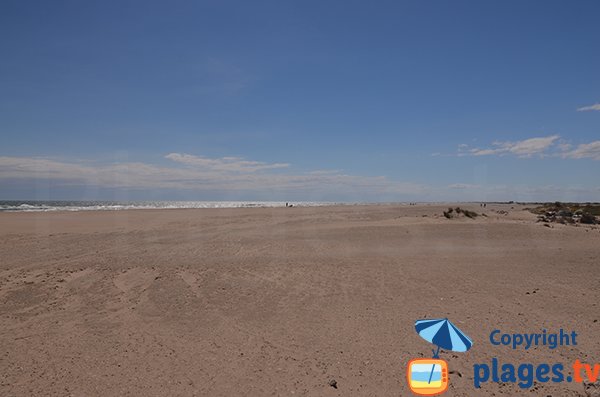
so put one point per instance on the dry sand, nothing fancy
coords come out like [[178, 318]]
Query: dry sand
[[279, 301]]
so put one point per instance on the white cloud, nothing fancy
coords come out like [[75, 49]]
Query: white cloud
[[595, 106], [462, 186], [250, 182], [525, 148], [484, 152], [542, 147], [201, 174], [563, 147], [324, 172], [225, 164], [531, 146], [585, 150], [520, 193]]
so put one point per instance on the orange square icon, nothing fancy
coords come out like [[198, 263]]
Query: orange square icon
[[427, 376]]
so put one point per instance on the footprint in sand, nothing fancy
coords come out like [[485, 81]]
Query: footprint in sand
[[134, 282], [77, 276], [191, 281]]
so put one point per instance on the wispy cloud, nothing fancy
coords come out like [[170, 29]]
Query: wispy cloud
[[461, 186], [525, 148], [226, 164], [235, 177], [595, 106], [518, 192], [198, 173], [552, 146], [586, 150]]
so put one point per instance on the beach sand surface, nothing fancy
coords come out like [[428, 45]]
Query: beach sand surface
[[280, 301]]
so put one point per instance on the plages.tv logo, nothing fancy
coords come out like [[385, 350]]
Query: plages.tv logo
[[428, 377], [527, 374]]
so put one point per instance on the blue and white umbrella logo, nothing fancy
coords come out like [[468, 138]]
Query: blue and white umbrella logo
[[442, 333]]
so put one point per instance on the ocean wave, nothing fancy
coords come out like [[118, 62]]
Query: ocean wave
[[49, 206]]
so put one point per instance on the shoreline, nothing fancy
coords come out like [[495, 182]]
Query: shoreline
[[250, 205], [21, 221]]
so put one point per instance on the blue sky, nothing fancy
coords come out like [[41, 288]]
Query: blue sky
[[311, 100]]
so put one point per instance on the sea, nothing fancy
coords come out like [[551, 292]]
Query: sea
[[46, 206]]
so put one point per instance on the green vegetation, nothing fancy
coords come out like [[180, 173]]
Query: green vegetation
[[567, 213], [456, 212], [584, 208]]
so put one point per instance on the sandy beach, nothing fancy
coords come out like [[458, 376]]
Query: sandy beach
[[280, 301]]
